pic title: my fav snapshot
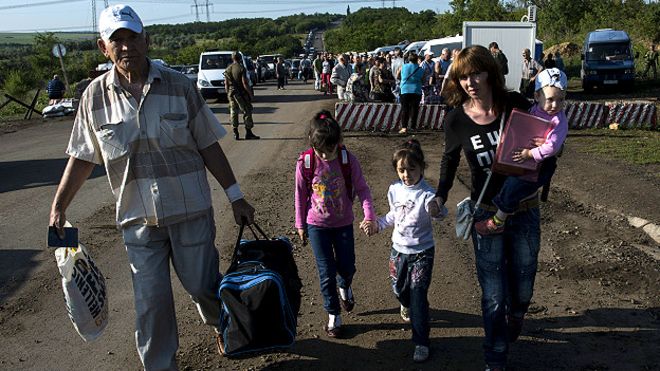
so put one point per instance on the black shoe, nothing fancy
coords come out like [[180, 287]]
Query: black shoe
[[250, 135], [236, 135]]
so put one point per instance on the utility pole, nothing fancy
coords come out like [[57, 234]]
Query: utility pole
[[196, 6], [208, 14], [93, 15]]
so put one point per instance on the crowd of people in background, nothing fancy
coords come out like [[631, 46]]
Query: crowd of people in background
[[356, 77]]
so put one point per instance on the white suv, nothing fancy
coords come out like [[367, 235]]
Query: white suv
[[211, 75]]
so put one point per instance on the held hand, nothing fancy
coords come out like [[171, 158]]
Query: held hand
[[369, 227], [303, 236], [521, 155], [434, 209], [242, 210], [538, 141]]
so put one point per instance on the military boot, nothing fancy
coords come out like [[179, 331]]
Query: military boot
[[250, 135]]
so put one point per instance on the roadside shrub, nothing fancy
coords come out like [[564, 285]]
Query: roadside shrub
[[19, 83]]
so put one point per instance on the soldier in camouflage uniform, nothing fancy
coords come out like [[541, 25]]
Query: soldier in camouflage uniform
[[651, 58], [240, 96]]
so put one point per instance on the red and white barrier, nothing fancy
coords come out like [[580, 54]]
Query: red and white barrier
[[634, 115], [582, 115], [385, 116]]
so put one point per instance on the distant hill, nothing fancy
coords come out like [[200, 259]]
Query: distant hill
[[27, 38]]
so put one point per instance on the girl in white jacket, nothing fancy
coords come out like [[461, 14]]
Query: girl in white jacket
[[411, 260]]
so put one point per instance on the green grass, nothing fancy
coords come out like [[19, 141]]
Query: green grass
[[28, 38], [638, 147]]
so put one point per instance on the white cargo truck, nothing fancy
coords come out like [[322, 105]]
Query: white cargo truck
[[512, 38]]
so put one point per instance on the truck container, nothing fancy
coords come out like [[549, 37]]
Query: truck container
[[511, 37]]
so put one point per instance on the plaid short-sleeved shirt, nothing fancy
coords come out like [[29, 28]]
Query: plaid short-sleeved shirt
[[150, 149]]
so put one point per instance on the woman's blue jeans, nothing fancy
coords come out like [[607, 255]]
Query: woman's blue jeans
[[506, 268], [411, 277], [334, 249]]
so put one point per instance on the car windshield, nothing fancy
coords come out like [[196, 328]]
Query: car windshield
[[608, 52], [216, 61]]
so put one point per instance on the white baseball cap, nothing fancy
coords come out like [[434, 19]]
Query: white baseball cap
[[551, 77], [428, 52], [118, 16]]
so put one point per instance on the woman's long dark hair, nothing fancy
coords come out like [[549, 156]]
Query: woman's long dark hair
[[473, 59]]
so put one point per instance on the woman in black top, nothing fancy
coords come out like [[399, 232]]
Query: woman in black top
[[506, 263]]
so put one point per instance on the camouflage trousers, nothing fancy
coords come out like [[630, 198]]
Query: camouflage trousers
[[239, 103]]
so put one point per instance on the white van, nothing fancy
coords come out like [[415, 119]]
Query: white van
[[436, 45], [211, 75], [415, 46]]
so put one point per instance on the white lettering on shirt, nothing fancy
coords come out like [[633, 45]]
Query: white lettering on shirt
[[476, 142], [485, 158], [494, 137]]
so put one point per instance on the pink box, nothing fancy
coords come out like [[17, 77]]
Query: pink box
[[518, 133]]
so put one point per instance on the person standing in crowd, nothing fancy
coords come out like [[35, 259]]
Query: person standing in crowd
[[55, 90], [380, 81], [356, 89], [445, 80], [318, 69], [560, 62], [444, 61], [651, 62], [305, 69], [530, 69], [339, 77], [506, 263], [549, 61], [428, 66], [280, 73], [260, 70], [397, 63], [412, 210], [499, 56], [325, 75], [240, 96], [411, 92], [157, 138]]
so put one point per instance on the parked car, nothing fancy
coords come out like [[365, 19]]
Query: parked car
[[269, 61], [211, 75]]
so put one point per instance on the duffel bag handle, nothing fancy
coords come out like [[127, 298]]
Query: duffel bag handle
[[234, 257]]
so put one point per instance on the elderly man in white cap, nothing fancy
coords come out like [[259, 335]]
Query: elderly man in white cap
[[156, 137]]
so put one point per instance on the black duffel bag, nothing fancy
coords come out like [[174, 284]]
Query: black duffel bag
[[260, 296]]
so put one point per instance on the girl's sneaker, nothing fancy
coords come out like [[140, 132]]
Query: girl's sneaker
[[405, 314], [421, 353], [333, 327], [346, 299]]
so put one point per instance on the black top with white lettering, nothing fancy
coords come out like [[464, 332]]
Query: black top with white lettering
[[478, 143]]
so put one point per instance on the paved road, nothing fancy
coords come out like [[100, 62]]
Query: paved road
[[36, 332]]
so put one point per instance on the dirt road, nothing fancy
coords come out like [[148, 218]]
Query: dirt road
[[596, 304]]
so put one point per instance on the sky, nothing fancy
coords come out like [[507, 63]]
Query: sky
[[76, 15]]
